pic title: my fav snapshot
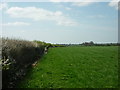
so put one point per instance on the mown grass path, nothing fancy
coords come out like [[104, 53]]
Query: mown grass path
[[75, 67]]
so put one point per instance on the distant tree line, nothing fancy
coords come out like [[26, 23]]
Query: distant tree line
[[91, 43]]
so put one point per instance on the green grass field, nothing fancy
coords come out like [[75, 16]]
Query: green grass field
[[75, 67]]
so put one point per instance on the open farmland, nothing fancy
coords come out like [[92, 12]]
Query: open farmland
[[75, 67]]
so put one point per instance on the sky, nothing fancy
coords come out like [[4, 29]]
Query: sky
[[60, 22]]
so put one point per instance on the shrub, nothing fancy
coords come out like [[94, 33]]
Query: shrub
[[17, 55]]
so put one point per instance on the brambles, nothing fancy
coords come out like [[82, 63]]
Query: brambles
[[17, 55], [6, 63]]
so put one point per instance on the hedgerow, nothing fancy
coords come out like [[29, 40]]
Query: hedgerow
[[17, 56]]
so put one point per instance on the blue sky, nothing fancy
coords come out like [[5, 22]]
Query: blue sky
[[63, 22]]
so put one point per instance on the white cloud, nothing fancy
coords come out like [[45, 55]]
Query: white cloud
[[68, 8], [39, 14], [51, 0], [58, 0], [63, 7], [15, 24], [114, 3], [3, 5], [79, 0], [84, 3]]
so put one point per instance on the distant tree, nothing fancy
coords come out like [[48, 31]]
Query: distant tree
[[91, 43], [88, 43]]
